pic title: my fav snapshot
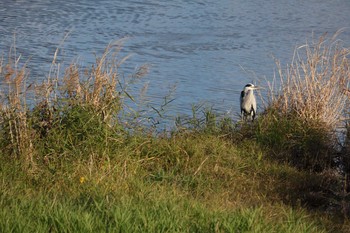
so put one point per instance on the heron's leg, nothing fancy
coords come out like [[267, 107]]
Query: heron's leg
[[253, 114]]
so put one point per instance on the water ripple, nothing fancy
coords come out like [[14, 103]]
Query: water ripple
[[200, 45]]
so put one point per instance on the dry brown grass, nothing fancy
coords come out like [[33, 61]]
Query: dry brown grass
[[101, 87], [315, 86], [13, 110], [98, 90]]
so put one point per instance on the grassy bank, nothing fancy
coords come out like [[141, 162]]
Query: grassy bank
[[72, 160], [192, 183]]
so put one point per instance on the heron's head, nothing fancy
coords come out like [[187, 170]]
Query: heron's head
[[250, 86]]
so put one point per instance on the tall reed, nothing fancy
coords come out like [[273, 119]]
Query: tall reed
[[307, 104], [315, 86], [103, 87], [30, 112], [16, 131]]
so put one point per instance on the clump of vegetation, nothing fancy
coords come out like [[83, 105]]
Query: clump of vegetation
[[61, 112], [308, 107], [79, 168]]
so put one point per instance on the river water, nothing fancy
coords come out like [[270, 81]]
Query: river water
[[207, 49]]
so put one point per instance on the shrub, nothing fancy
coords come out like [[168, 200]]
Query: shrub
[[314, 86], [308, 108], [303, 144], [62, 112]]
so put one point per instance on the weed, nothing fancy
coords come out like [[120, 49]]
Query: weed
[[308, 108]]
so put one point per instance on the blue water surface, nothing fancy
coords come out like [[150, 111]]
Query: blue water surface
[[208, 50]]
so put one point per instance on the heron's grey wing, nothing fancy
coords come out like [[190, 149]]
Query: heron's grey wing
[[241, 99]]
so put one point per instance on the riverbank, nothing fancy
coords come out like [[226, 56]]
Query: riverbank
[[191, 182], [73, 160]]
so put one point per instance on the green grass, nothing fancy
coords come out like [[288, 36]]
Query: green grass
[[196, 188], [76, 161], [146, 215], [190, 182]]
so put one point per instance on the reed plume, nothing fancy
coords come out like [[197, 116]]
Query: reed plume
[[314, 87]]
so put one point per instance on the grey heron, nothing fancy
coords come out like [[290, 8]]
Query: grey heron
[[248, 102]]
